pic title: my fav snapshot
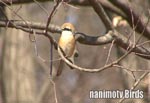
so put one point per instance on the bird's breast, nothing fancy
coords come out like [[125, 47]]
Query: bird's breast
[[67, 42]]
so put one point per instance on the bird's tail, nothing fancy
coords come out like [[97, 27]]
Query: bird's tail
[[61, 65], [60, 68]]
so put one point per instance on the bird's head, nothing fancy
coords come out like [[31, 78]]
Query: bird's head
[[68, 27]]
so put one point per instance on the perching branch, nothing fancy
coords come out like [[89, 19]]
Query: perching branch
[[111, 36], [120, 40], [93, 70], [94, 40], [82, 38]]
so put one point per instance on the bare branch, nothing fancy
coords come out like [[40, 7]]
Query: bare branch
[[105, 4], [131, 70], [126, 9], [39, 26], [50, 18], [109, 52], [123, 42], [92, 70], [91, 40], [120, 40], [10, 2], [124, 12], [101, 13], [136, 84]]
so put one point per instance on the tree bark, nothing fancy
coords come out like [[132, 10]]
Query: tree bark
[[18, 78]]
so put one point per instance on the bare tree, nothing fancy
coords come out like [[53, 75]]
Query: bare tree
[[126, 37]]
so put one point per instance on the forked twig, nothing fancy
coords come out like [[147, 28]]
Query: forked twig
[[135, 84]]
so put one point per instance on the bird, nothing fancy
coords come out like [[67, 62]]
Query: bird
[[67, 43]]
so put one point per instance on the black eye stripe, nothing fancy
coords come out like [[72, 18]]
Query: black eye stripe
[[67, 29]]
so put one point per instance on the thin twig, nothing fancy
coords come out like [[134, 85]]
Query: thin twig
[[145, 26], [109, 52], [138, 45], [82, 38], [54, 88], [50, 17], [51, 59], [125, 8], [91, 70], [131, 70], [15, 13], [135, 84], [41, 6], [101, 13]]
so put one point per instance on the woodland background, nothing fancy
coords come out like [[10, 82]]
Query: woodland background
[[24, 78]]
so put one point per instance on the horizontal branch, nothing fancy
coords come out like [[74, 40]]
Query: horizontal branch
[[126, 44], [82, 38], [30, 26], [27, 24], [11, 2], [94, 40], [120, 8], [107, 5], [75, 2]]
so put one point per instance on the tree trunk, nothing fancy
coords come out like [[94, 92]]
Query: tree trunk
[[18, 78]]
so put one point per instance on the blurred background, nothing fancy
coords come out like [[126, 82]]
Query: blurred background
[[25, 78]]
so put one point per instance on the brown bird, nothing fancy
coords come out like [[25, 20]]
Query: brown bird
[[67, 43]]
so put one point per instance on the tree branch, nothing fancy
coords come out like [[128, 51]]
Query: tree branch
[[124, 12], [10, 2], [105, 4], [126, 44], [94, 40], [136, 20], [39, 26], [135, 84], [101, 13], [82, 38], [91, 70], [120, 39]]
